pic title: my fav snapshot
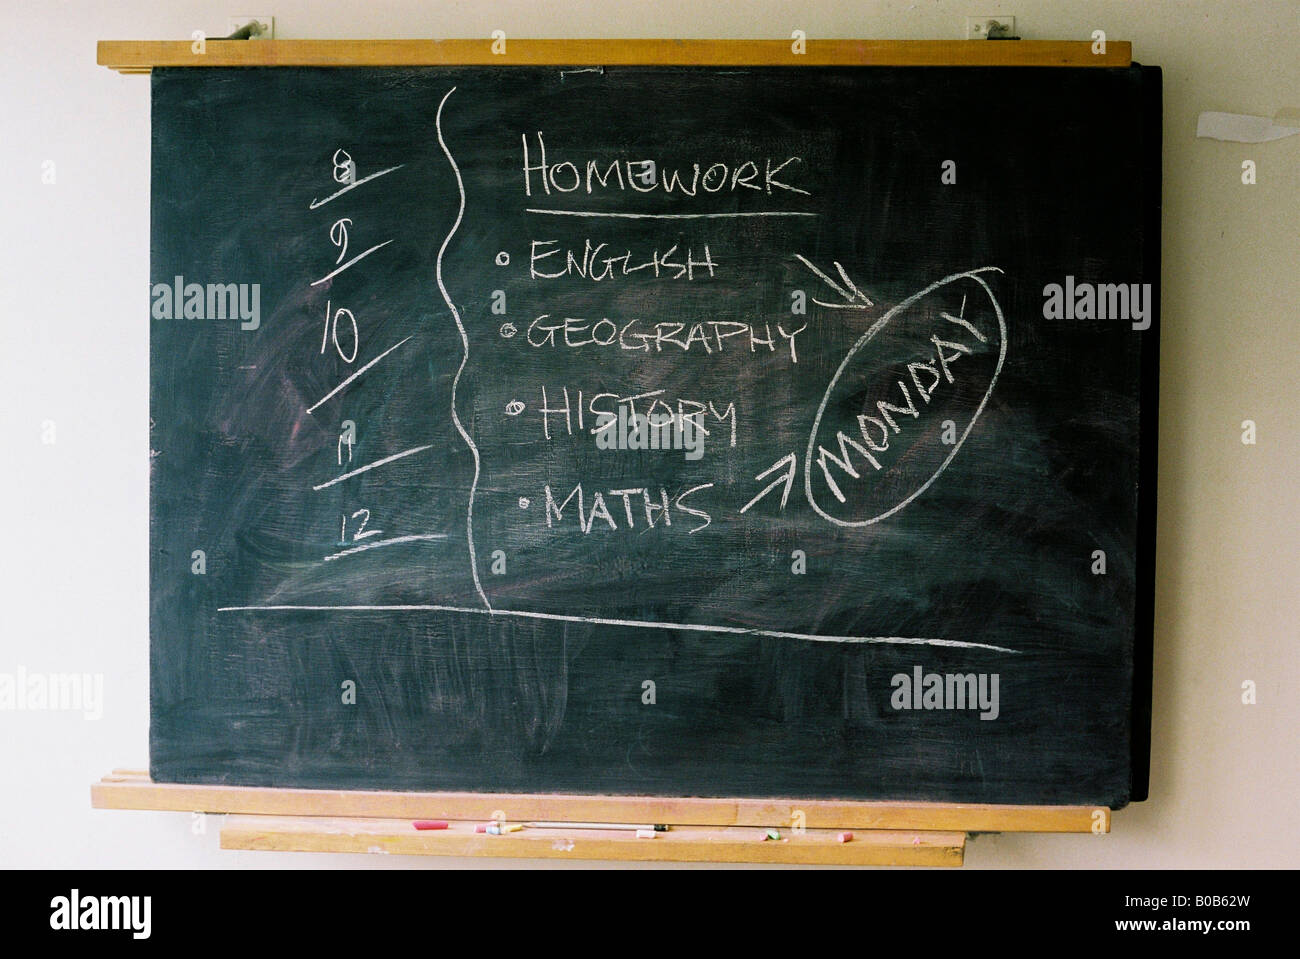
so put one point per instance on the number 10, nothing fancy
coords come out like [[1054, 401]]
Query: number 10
[[332, 332]]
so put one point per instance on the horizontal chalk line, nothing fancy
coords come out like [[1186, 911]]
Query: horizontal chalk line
[[666, 216], [637, 623], [369, 466]]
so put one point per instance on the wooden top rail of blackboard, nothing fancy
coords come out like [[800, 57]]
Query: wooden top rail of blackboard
[[140, 56], [132, 789]]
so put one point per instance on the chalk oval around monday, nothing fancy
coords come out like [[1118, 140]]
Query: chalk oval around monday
[[899, 313]]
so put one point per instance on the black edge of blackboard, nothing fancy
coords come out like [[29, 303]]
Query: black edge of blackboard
[[1144, 636], [155, 733]]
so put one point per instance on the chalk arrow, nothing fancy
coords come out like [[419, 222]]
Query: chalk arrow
[[854, 299], [787, 478]]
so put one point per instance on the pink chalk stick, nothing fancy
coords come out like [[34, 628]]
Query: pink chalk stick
[[846, 837], [430, 824]]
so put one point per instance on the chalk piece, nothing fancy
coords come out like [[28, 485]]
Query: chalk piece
[[430, 824], [846, 837], [481, 827], [515, 828], [916, 840], [645, 834], [493, 829], [772, 834]]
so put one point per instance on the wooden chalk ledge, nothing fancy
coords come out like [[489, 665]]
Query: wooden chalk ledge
[[702, 830]]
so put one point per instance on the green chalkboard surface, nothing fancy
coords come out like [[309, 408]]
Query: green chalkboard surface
[[655, 430]]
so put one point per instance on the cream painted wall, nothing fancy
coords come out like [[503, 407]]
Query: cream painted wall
[[74, 263]]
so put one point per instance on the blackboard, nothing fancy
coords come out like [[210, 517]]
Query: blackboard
[[918, 306]]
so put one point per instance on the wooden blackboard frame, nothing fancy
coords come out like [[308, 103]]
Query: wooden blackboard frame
[[135, 791], [141, 56]]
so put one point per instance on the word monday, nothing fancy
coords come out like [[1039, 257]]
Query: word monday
[[876, 430]]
